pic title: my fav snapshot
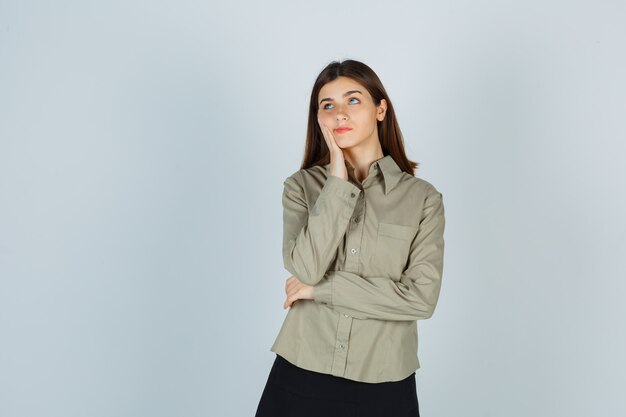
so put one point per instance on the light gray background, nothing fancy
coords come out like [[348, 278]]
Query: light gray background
[[143, 145]]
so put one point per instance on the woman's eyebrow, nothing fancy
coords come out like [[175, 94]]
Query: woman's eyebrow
[[344, 94]]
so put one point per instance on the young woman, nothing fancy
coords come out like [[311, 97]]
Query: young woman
[[363, 238]]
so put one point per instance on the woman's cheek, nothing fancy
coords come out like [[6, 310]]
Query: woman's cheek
[[327, 117]]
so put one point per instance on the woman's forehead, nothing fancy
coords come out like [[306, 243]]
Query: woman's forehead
[[339, 86]]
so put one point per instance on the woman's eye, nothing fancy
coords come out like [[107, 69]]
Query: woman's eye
[[351, 98]]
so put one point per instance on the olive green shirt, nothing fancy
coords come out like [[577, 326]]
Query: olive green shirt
[[374, 253]]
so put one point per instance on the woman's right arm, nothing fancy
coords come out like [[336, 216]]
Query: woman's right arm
[[311, 238]]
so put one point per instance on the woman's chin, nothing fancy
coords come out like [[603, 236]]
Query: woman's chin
[[344, 142]]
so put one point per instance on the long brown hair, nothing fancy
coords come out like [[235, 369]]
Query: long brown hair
[[389, 134]]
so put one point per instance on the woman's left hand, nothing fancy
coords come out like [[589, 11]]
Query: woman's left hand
[[296, 290]]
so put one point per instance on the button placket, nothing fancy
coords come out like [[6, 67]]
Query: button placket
[[342, 342], [355, 236]]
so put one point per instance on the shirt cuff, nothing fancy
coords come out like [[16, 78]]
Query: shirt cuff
[[323, 292], [336, 185]]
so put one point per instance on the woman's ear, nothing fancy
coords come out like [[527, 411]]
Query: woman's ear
[[381, 110]]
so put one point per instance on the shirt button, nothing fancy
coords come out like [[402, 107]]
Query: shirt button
[[342, 346], [353, 251], [356, 219], [352, 195]]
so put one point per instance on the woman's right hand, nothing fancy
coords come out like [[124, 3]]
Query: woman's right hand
[[337, 162]]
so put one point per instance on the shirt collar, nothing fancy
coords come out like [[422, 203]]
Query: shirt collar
[[387, 166]]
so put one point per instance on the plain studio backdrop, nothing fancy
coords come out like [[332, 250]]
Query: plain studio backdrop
[[143, 147]]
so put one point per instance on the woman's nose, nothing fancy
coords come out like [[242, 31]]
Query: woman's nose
[[342, 116]]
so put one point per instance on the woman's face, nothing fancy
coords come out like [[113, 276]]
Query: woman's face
[[345, 103]]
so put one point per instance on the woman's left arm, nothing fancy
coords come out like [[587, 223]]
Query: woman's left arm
[[414, 296]]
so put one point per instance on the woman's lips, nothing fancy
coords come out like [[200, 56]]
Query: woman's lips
[[343, 129]]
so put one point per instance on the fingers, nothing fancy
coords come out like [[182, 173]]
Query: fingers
[[291, 290], [323, 129], [289, 302], [292, 287], [296, 290], [336, 153], [330, 140], [328, 136], [290, 283]]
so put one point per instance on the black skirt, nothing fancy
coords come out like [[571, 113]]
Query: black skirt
[[291, 391]]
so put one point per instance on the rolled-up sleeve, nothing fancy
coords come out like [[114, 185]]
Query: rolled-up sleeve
[[311, 237], [416, 293]]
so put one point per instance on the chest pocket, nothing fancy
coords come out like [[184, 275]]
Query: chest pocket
[[393, 243]]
